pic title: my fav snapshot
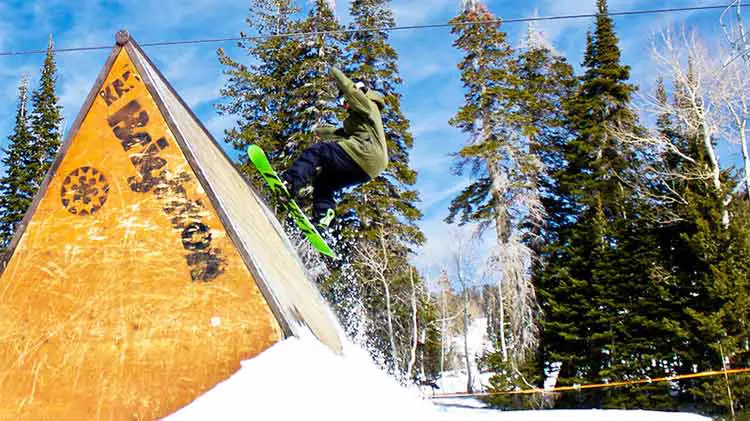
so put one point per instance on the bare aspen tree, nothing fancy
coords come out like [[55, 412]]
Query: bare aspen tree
[[688, 65], [444, 285], [710, 106], [465, 261], [512, 263], [736, 68], [734, 88], [374, 256]]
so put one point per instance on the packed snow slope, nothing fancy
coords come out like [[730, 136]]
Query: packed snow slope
[[300, 379]]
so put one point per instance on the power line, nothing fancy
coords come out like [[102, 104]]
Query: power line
[[385, 29]]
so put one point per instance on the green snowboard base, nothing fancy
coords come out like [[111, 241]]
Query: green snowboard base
[[284, 198]]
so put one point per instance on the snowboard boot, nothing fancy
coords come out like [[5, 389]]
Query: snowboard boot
[[297, 192], [322, 222]]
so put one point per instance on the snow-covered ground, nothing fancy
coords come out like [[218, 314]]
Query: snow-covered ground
[[301, 379]]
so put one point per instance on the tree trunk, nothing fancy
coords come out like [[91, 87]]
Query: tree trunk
[[391, 336], [443, 329], [467, 357], [387, 289], [423, 340], [501, 314], [715, 171], [745, 157], [415, 333], [501, 232]]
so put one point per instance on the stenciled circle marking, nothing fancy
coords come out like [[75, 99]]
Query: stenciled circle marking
[[196, 236], [84, 191]]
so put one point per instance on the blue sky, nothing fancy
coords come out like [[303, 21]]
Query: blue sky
[[431, 91]]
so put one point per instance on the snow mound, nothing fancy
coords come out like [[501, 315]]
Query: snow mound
[[302, 379]]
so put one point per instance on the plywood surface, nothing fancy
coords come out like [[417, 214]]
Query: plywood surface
[[125, 298]]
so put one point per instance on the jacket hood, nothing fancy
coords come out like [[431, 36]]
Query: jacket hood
[[376, 97]]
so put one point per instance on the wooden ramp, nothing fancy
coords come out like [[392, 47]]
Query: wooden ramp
[[146, 268]]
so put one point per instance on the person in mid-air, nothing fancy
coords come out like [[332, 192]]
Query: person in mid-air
[[352, 155]]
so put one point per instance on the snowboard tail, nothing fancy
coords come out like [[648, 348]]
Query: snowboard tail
[[285, 199]]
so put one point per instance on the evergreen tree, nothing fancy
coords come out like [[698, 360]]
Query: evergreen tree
[[46, 119], [289, 89], [286, 91], [704, 269], [259, 95], [505, 171], [545, 81], [583, 284], [17, 185], [642, 308], [718, 311], [316, 96], [389, 199], [486, 117]]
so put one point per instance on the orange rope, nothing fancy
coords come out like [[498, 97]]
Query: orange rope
[[599, 385]]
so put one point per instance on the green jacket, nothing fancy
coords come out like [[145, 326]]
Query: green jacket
[[363, 137]]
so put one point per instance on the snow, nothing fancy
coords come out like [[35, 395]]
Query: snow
[[302, 378], [299, 378]]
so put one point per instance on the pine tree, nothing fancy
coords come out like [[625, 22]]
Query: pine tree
[[389, 199], [499, 154], [641, 307], [259, 95], [288, 89], [545, 81], [718, 309], [582, 284], [46, 119], [17, 185], [315, 98], [703, 269], [726, 328]]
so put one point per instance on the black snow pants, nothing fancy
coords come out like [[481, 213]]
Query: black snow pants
[[329, 169]]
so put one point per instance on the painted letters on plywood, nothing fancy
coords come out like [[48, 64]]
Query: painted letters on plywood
[[130, 124]]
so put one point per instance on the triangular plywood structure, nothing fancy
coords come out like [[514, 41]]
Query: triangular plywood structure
[[147, 268]]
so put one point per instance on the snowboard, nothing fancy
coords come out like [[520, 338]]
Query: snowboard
[[285, 199]]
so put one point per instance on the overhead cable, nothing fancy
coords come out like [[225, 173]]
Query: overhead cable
[[383, 29]]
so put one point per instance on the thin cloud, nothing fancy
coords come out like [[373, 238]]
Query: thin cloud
[[438, 252], [431, 122], [217, 124], [442, 197], [409, 12]]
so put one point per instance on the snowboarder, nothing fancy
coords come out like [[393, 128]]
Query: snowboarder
[[352, 155]]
